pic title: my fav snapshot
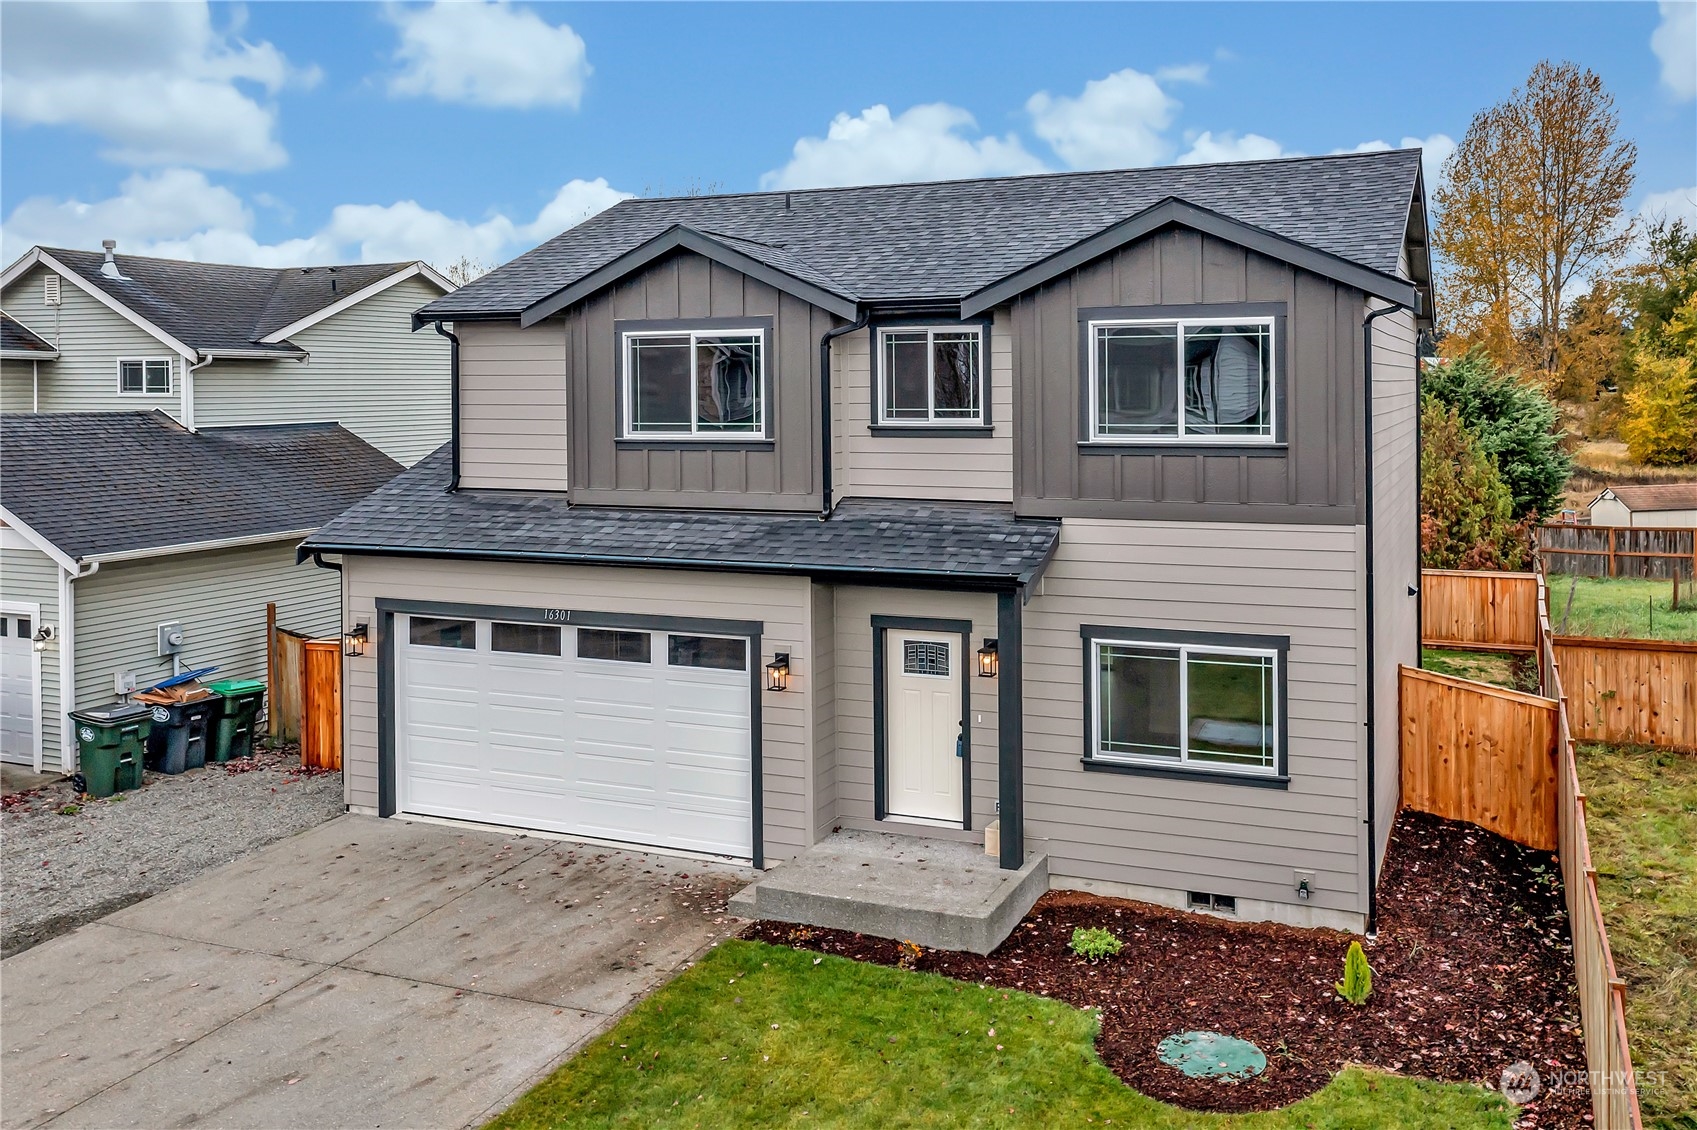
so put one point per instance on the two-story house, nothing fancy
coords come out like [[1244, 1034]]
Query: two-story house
[[170, 431], [1084, 504]]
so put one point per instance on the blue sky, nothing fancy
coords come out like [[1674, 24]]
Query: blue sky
[[284, 132]]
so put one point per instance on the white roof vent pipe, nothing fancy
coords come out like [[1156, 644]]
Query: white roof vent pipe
[[110, 267]]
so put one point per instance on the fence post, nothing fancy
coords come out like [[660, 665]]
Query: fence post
[[271, 668], [1614, 532]]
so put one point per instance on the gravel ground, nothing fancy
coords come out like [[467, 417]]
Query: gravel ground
[[65, 861]]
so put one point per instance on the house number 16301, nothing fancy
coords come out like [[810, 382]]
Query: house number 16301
[[556, 614]]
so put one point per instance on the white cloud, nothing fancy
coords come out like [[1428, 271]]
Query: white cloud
[[487, 54], [1207, 148], [1435, 150], [923, 143], [1676, 204], [1115, 122], [1675, 43], [1194, 73], [157, 81], [179, 214]]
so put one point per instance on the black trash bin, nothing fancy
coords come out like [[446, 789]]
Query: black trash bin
[[180, 731], [110, 746]]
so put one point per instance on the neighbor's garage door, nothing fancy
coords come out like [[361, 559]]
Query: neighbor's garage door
[[615, 734]]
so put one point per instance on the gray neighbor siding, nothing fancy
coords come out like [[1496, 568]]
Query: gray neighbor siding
[[17, 384], [29, 576]]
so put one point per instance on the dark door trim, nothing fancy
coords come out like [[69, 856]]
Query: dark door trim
[[880, 744]]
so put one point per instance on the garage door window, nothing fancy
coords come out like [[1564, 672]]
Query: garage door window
[[619, 647], [428, 631], [525, 639], [716, 652]]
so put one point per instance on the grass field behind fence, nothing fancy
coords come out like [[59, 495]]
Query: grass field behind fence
[[1622, 608]]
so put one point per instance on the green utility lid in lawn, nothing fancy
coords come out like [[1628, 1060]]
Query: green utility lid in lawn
[[1212, 1055], [230, 688]]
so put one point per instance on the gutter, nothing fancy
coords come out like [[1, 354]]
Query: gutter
[[453, 405], [826, 486], [98, 559]]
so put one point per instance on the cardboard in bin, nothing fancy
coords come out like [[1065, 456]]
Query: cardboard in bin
[[172, 696]]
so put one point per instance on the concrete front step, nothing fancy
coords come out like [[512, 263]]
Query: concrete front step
[[941, 894]]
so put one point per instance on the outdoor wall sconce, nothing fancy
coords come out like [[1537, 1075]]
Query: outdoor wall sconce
[[353, 643], [778, 672], [988, 663], [44, 635]]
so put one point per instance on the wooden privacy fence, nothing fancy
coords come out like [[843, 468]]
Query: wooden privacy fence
[[1619, 551], [321, 685], [1479, 610], [1630, 690], [1484, 754]]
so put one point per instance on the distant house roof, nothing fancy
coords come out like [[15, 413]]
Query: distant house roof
[[947, 240], [94, 484], [18, 341], [415, 514], [218, 307], [1655, 496]]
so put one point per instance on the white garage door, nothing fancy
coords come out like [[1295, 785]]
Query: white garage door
[[618, 734], [18, 705]]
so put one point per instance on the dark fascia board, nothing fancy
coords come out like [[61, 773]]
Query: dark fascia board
[[673, 238], [1175, 211]]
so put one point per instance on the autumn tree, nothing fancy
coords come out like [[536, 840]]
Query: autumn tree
[[1532, 202], [464, 269]]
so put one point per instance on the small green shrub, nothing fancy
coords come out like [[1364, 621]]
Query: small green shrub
[[1094, 944], [70, 810], [1357, 983]]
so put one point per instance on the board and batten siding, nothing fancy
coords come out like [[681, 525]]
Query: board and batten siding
[[930, 466], [30, 576], [218, 596], [1310, 478], [367, 369], [91, 338], [783, 604], [776, 474], [1158, 837], [513, 405]]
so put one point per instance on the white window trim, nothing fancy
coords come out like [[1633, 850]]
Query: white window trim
[[931, 420], [1184, 761], [755, 433], [1272, 434], [170, 375]]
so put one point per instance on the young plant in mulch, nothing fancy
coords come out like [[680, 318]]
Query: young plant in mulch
[[908, 955], [1094, 944], [1357, 983]]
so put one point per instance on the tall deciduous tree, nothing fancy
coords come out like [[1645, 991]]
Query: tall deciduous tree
[[1532, 202]]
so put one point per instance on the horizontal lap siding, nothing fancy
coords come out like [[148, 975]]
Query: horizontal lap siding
[[824, 710], [367, 370], [784, 604], [855, 608], [17, 385], [935, 467], [219, 597], [1289, 580], [513, 405], [31, 576]]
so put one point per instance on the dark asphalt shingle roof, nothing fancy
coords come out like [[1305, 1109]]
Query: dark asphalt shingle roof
[[109, 482], [15, 335], [415, 513], [944, 240], [218, 305]]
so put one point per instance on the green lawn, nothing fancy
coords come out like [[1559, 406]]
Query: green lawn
[[1623, 607], [1641, 807], [758, 1035], [1505, 669]]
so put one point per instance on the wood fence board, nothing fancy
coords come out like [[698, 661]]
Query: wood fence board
[[1619, 551], [321, 681], [1639, 691], [1480, 610], [285, 705]]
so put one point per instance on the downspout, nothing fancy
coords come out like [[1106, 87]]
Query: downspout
[[1367, 560], [68, 761], [189, 367], [453, 411], [827, 487]]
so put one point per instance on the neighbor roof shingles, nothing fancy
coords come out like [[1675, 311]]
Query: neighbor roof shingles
[[416, 513], [1658, 496], [95, 483], [15, 335], [944, 240]]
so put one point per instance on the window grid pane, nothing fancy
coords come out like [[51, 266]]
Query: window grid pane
[[129, 376], [158, 376], [932, 375], [924, 657]]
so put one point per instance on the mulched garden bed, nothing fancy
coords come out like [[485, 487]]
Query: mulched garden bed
[[1472, 971]]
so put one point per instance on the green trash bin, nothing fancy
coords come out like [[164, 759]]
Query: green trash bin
[[111, 745], [239, 706]]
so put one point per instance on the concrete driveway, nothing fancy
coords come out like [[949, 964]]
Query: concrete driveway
[[365, 973]]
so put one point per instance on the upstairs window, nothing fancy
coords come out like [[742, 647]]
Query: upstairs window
[[145, 376], [931, 375], [1184, 379], [706, 384]]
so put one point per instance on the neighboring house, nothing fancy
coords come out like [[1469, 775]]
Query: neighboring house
[[216, 345], [1654, 504], [115, 523], [1084, 502]]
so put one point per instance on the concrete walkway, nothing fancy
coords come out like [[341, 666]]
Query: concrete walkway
[[365, 973]]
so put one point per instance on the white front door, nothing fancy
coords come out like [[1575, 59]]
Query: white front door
[[922, 725], [18, 677]]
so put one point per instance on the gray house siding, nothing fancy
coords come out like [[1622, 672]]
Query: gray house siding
[[779, 474], [825, 721], [1310, 478], [366, 370], [29, 576], [17, 384], [1155, 837], [513, 405]]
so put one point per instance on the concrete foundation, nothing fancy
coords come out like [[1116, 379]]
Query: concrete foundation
[[940, 894]]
